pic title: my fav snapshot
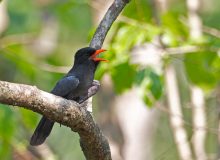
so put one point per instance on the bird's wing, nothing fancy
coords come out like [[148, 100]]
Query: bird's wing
[[65, 86]]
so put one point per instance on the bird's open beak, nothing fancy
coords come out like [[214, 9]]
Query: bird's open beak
[[97, 59]]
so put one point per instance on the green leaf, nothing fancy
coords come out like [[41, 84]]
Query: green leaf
[[151, 85], [140, 76], [139, 10], [216, 68], [175, 32], [172, 22], [155, 85], [199, 68], [147, 100], [130, 35], [123, 76]]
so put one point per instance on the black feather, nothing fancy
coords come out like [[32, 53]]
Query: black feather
[[72, 86], [42, 131]]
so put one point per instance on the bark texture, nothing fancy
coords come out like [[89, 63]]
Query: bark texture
[[69, 113], [66, 112]]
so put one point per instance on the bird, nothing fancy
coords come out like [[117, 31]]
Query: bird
[[78, 85]]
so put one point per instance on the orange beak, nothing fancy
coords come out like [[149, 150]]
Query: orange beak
[[97, 52]]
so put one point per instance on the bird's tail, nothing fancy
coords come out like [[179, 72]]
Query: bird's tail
[[42, 131]]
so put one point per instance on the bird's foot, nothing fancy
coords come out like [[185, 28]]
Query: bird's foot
[[91, 91]]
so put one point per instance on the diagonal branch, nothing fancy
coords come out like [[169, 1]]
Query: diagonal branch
[[104, 26], [66, 112], [69, 113], [106, 23]]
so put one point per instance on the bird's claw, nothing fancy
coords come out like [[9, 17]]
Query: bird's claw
[[91, 91]]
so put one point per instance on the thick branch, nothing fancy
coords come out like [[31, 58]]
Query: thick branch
[[96, 42], [69, 113], [66, 112]]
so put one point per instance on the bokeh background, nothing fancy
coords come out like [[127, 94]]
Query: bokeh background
[[160, 89]]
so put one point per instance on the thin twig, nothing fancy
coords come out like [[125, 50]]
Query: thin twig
[[212, 31], [211, 130]]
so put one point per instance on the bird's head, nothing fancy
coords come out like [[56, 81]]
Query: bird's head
[[89, 54]]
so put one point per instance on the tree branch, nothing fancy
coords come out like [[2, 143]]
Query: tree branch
[[173, 100], [66, 112], [106, 23], [69, 113], [177, 123], [197, 94], [104, 26]]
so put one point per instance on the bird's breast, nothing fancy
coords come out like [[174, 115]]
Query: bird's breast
[[85, 74]]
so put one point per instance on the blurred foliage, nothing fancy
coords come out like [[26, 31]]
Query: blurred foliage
[[23, 59], [20, 62], [151, 85], [202, 63], [7, 129], [122, 76]]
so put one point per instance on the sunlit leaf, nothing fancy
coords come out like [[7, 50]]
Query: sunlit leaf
[[172, 21], [175, 32], [199, 68]]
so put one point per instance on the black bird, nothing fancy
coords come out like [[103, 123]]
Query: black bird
[[75, 85]]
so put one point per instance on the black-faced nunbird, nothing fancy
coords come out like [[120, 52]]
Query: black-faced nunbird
[[78, 84]]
